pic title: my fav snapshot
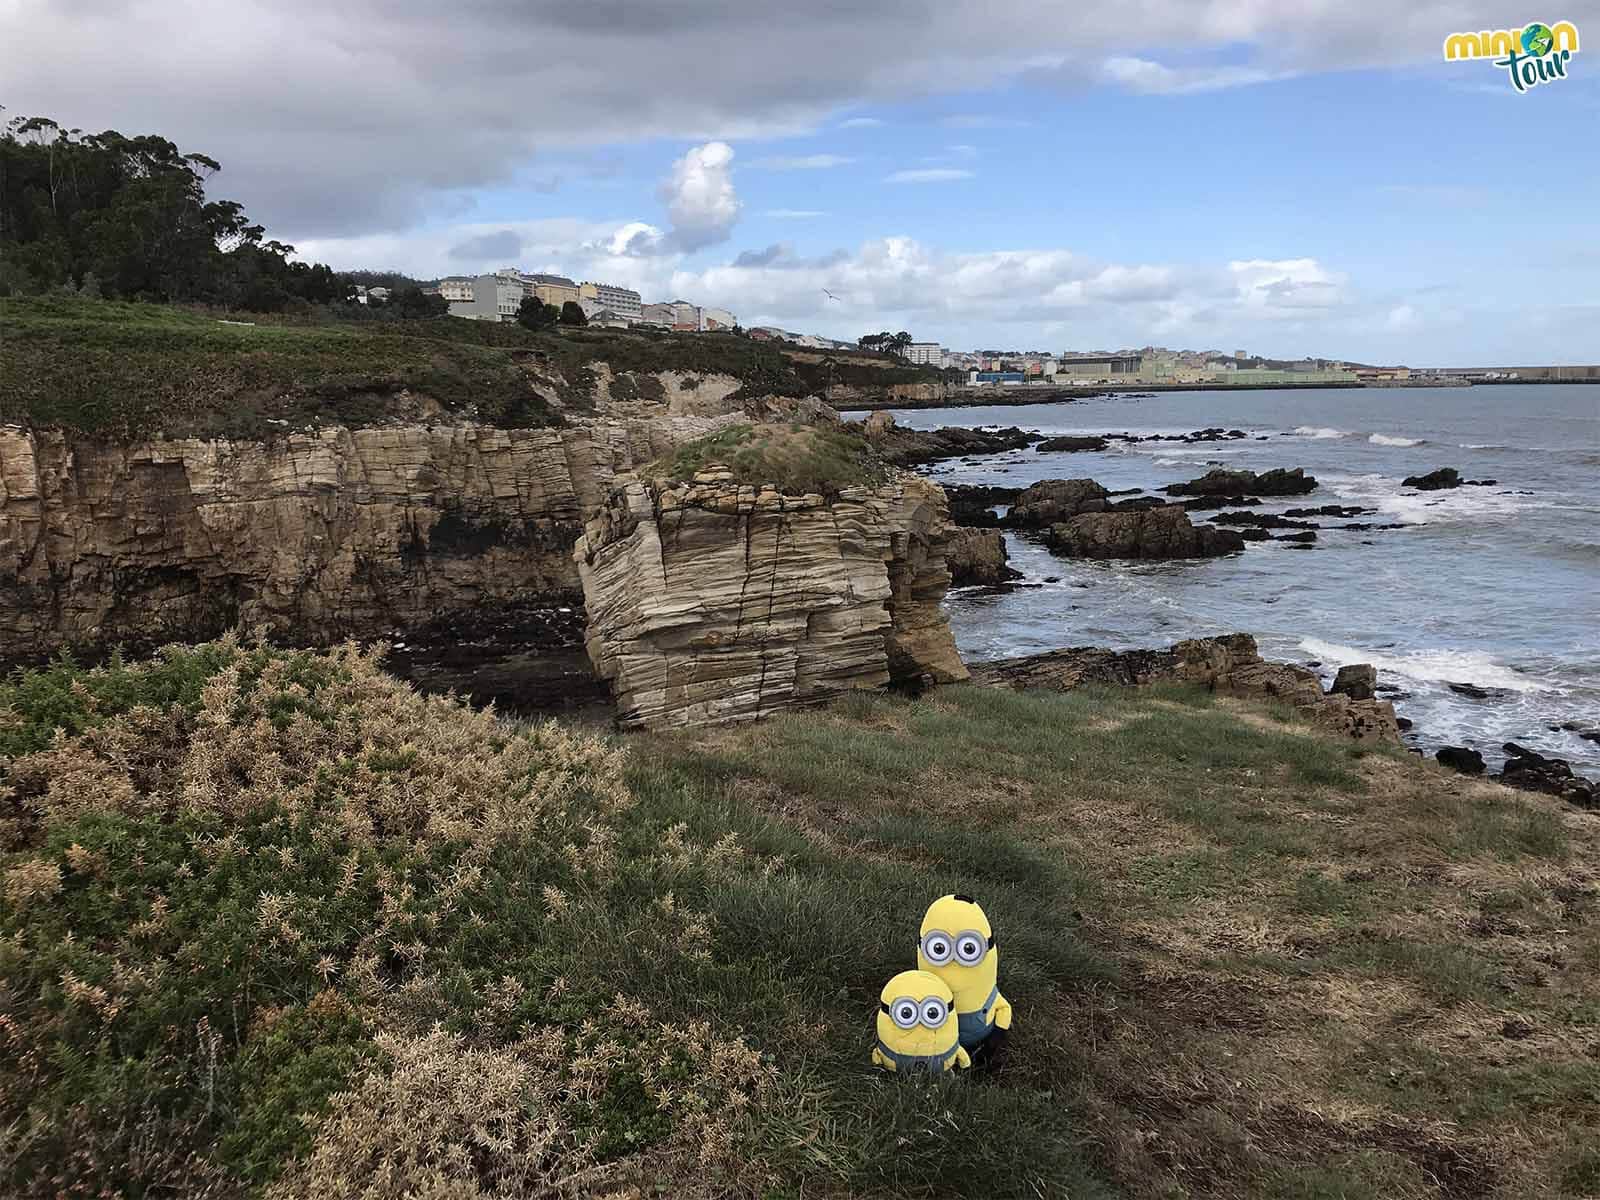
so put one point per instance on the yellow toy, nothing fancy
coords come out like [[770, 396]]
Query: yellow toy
[[915, 1031], [958, 946]]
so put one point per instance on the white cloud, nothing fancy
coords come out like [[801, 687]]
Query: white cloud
[[699, 197], [928, 175], [802, 162], [861, 123], [795, 214], [1144, 75], [1286, 288], [1401, 316]]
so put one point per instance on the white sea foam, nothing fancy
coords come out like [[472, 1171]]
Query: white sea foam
[[1316, 431], [1385, 493], [1430, 666], [1384, 439]]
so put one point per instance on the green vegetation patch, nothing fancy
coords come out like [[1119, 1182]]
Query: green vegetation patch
[[795, 459], [129, 370]]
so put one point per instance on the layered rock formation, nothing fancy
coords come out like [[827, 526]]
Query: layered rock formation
[[709, 601], [1229, 664], [1051, 500], [320, 534]]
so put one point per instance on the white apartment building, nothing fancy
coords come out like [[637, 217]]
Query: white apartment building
[[457, 288], [624, 302], [485, 297], [717, 318], [929, 354]]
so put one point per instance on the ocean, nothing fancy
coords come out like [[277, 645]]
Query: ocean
[[1491, 586]]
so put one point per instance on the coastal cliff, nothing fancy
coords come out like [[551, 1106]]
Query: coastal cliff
[[711, 600], [320, 533]]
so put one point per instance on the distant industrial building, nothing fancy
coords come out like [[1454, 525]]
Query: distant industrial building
[[1098, 368]]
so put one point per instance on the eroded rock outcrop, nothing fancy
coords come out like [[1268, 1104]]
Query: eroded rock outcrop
[[1229, 664], [320, 534], [1220, 482], [1163, 532], [1051, 500], [709, 601], [978, 556]]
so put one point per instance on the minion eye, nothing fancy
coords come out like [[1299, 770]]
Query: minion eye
[[934, 1012], [905, 1013], [971, 947], [936, 947]]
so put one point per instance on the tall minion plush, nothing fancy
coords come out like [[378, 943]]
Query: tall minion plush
[[915, 1030], [958, 946]]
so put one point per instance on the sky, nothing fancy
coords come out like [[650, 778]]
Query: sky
[[1290, 177]]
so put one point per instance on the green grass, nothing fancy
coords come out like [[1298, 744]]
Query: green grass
[[796, 459], [1238, 965]]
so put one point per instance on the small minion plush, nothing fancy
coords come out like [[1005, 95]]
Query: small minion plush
[[958, 946], [915, 1031]]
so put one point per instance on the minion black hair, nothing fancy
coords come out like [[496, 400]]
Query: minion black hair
[[967, 899]]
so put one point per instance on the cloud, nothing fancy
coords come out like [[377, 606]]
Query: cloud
[[699, 197], [804, 162], [928, 175], [795, 214], [365, 116], [1401, 316], [1144, 75], [764, 258], [1291, 287], [502, 245]]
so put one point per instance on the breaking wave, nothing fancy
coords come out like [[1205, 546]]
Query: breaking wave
[[1430, 666], [1384, 439]]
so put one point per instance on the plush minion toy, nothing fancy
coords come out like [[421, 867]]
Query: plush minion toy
[[915, 1026], [958, 946]]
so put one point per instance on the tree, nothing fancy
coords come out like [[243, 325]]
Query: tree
[[572, 314], [901, 342], [533, 313], [413, 304]]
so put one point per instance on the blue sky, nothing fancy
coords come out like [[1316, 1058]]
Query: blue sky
[[1278, 178]]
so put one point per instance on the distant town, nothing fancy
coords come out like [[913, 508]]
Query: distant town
[[498, 296]]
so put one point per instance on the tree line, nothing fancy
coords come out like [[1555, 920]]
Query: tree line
[[127, 218], [889, 343]]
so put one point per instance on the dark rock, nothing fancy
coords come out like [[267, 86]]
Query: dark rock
[[1471, 691], [1516, 1029], [971, 504], [978, 556], [1359, 681], [1404, 723], [1071, 443], [1255, 535], [1589, 733], [1460, 758], [1260, 520], [1206, 503], [1051, 500], [1305, 537], [908, 447], [1328, 510], [1534, 772], [1479, 482], [1154, 533], [1433, 481], [1221, 482]]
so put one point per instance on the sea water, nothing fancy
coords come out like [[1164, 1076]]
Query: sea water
[[1491, 586]]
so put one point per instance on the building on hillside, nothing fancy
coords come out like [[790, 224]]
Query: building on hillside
[[552, 289], [928, 354], [457, 287], [624, 302], [717, 318], [488, 298], [605, 318]]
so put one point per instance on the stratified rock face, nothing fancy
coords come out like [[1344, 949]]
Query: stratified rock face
[[320, 535], [978, 556], [1148, 533], [712, 602]]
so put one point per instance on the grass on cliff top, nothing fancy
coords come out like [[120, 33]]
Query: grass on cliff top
[[127, 371], [795, 459], [272, 924]]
